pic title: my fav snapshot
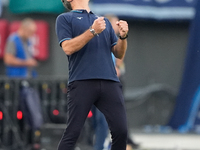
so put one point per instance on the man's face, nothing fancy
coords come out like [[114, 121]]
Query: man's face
[[30, 30]]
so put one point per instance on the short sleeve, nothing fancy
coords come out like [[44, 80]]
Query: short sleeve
[[10, 47], [113, 36], [63, 28]]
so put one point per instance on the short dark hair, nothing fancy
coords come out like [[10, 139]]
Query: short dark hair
[[66, 4]]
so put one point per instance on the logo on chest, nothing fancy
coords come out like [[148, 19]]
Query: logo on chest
[[79, 18]]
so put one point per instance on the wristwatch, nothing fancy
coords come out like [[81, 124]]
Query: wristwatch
[[93, 31]]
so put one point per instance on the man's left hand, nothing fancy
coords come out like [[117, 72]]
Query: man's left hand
[[123, 28]]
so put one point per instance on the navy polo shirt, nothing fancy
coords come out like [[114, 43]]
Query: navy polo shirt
[[94, 60]]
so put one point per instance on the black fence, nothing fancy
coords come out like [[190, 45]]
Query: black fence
[[14, 131]]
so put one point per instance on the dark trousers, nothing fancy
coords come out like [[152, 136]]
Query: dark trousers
[[107, 96]]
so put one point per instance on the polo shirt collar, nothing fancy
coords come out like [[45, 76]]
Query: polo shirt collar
[[81, 11]]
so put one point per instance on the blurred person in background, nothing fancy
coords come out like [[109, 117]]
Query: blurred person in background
[[88, 41], [18, 56], [20, 64], [99, 123], [120, 68], [100, 128]]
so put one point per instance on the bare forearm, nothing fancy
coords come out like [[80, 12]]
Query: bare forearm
[[119, 50], [13, 61], [75, 44]]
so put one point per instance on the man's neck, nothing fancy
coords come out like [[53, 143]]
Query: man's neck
[[81, 5]]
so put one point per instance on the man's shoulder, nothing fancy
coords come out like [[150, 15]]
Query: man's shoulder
[[12, 37], [107, 20], [64, 16]]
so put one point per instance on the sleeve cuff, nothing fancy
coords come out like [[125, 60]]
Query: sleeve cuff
[[114, 44], [64, 40]]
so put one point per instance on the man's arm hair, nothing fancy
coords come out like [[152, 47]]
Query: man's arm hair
[[73, 45], [119, 50]]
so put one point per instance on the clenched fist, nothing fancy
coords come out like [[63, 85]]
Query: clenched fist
[[123, 28], [99, 25]]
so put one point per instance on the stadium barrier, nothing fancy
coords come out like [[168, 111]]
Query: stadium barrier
[[14, 129]]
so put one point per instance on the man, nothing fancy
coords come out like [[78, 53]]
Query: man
[[88, 41], [18, 57]]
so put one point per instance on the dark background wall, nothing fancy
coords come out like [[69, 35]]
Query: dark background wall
[[156, 53]]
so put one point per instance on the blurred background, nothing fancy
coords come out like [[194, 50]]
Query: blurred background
[[161, 83]]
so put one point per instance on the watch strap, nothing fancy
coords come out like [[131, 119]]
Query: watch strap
[[93, 31], [123, 38]]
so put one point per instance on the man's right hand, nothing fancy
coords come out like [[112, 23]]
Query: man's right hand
[[31, 62], [99, 25]]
